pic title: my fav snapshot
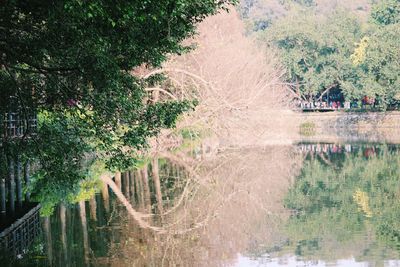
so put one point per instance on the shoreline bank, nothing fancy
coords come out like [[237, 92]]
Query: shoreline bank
[[351, 126]]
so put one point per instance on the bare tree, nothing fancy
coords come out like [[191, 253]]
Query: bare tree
[[237, 82]]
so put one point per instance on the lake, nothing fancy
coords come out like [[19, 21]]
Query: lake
[[309, 204]]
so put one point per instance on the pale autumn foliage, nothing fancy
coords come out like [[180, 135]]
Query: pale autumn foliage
[[237, 82], [229, 196]]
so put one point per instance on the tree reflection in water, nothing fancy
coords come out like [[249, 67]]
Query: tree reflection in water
[[176, 211], [346, 204], [312, 202], [225, 205]]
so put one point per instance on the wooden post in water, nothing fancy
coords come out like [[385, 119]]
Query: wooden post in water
[[132, 186], [128, 185], [82, 213], [136, 183], [27, 180], [10, 124], [146, 188], [157, 184], [106, 197], [49, 243], [139, 189], [93, 208], [11, 185], [19, 182], [2, 195], [63, 216], [123, 184], [118, 179], [125, 179]]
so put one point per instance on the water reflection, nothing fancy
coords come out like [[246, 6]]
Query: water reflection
[[345, 204], [221, 209], [309, 204], [191, 213]]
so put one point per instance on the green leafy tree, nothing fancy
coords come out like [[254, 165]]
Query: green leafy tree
[[340, 52], [72, 61], [74, 58], [316, 50], [386, 12], [377, 56], [380, 66]]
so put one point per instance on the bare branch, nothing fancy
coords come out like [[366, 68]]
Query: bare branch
[[158, 89]]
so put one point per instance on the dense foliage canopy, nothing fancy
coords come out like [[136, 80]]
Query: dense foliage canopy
[[316, 59], [74, 63], [74, 58], [386, 12], [360, 57]]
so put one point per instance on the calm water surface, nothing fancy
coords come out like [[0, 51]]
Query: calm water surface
[[303, 205]]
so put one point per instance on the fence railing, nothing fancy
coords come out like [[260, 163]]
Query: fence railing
[[17, 125], [17, 238]]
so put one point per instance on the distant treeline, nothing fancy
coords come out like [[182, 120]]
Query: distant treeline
[[352, 47]]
